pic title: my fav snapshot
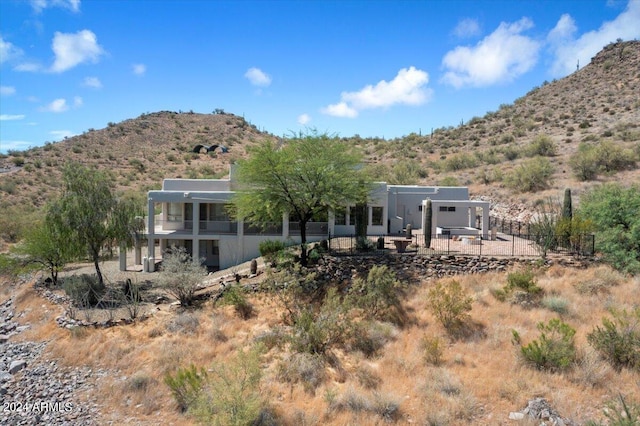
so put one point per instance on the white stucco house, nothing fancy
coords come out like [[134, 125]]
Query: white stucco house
[[191, 213]]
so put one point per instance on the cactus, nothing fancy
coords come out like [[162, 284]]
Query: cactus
[[428, 224], [567, 209]]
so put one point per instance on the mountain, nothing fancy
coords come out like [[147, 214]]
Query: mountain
[[596, 106]]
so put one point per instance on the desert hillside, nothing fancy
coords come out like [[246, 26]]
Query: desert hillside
[[598, 105]]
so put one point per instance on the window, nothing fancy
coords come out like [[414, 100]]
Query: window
[[447, 209], [377, 216], [452, 209], [218, 212], [442, 208], [341, 216], [175, 212]]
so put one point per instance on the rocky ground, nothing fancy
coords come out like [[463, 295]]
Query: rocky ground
[[35, 390]]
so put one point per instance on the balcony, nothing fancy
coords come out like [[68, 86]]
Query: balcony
[[186, 226], [273, 228], [313, 228]]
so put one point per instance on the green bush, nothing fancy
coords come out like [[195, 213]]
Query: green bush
[[269, 249], [317, 330], [531, 176], [522, 280], [613, 211], [618, 340], [432, 350], [554, 350], [378, 294], [450, 304], [186, 385], [584, 163], [232, 394], [459, 162], [542, 145], [234, 295]]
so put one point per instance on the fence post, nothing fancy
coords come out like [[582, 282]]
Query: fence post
[[513, 245], [481, 244], [448, 245]]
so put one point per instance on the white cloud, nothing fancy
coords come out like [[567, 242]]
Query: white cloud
[[93, 82], [39, 5], [74, 49], [501, 56], [7, 90], [139, 69], [8, 51], [257, 77], [28, 67], [9, 117], [467, 28], [568, 51], [304, 119], [61, 134], [57, 106], [13, 145], [407, 88], [341, 109]]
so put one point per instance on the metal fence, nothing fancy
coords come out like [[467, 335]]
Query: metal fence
[[509, 227], [502, 245]]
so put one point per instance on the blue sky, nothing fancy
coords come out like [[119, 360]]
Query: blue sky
[[373, 68]]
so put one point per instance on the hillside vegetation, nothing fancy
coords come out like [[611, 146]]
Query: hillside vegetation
[[574, 132]]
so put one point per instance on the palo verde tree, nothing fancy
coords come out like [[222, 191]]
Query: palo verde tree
[[47, 243], [613, 210], [306, 176], [95, 219]]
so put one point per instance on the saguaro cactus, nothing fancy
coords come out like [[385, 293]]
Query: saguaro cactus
[[567, 209], [427, 224]]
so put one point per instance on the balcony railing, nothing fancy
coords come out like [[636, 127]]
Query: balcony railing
[[313, 228], [206, 226], [274, 228]]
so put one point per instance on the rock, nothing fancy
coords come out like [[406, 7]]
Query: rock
[[516, 415], [3, 338], [17, 365]]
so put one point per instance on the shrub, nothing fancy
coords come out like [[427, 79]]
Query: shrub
[[377, 294], [542, 145], [234, 295], [522, 281], [370, 337], [270, 248], [186, 385], [459, 162], [531, 176], [556, 304], [232, 394], [450, 304], [584, 163], [315, 331], [620, 413], [307, 369], [554, 350], [618, 340], [180, 276], [432, 350], [84, 290]]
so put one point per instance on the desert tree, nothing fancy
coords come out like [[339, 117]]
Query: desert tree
[[308, 175], [47, 243], [95, 219]]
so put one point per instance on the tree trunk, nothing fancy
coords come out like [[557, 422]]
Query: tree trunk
[[303, 242]]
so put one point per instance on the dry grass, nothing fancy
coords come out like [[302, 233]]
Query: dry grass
[[478, 381]]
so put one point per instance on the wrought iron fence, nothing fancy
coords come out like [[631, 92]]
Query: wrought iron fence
[[502, 245]]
